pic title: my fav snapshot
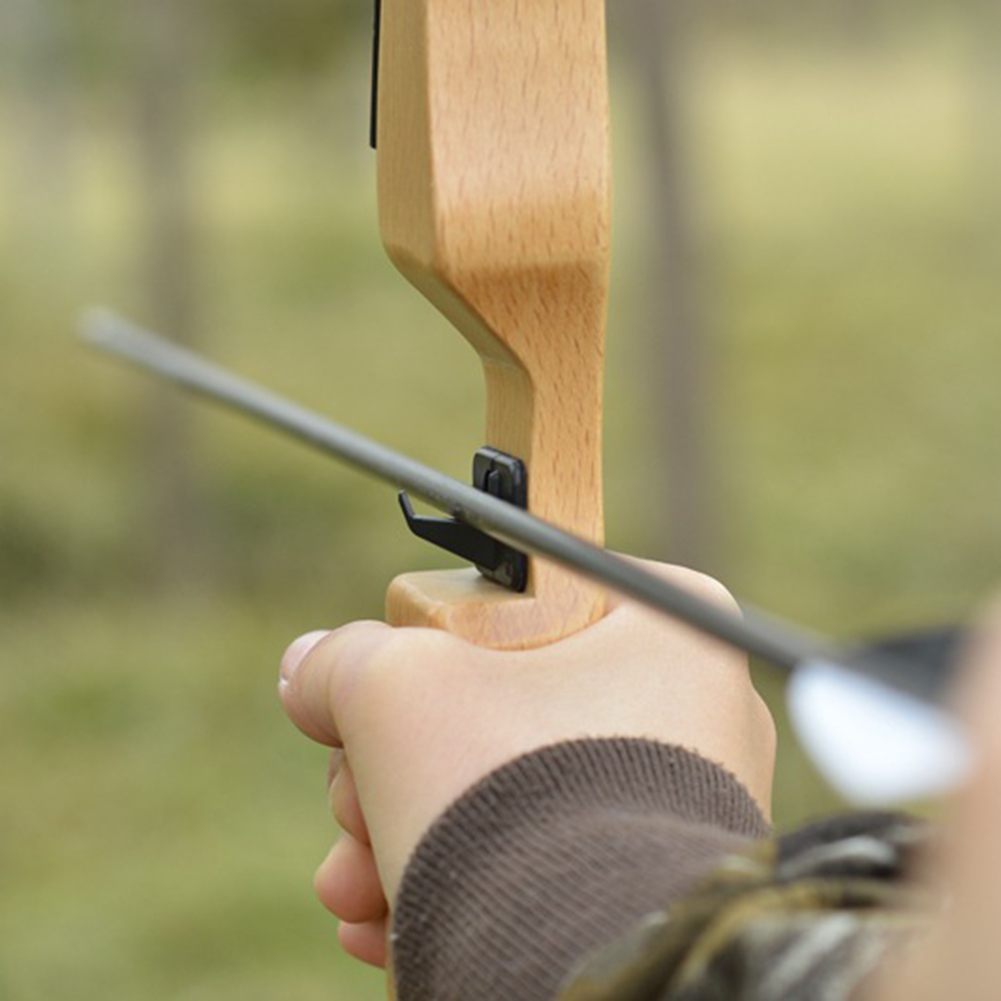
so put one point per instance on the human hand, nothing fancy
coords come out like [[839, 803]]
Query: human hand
[[418, 717]]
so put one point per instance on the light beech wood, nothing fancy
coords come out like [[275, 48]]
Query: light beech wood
[[494, 201]]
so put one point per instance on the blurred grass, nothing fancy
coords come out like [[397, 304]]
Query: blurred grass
[[162, 819]]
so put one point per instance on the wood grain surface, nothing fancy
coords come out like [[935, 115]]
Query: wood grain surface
[[494, 201]]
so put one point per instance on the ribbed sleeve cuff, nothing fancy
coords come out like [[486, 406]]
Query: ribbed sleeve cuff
[[554, 855]]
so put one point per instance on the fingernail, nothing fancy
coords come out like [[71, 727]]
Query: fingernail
[[298, 651]]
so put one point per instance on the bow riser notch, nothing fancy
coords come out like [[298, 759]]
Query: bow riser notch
[[494, 201]]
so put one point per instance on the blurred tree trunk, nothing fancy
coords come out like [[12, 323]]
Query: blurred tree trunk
[[164, 34], [34, 55], [679, 355], [862, 22], [985, 58]]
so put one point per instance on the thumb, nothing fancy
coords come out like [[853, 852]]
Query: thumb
[[317, 670]]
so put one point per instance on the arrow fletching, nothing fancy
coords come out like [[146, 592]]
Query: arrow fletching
[[875, 745]]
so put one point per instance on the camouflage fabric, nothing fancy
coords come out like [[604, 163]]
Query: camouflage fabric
[[805, 917]]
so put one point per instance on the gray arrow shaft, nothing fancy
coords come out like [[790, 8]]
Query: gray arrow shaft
[[753, 631]]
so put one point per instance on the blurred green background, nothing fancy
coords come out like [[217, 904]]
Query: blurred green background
[[807, 209]]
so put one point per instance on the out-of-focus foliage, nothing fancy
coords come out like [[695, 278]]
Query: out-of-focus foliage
[[246, 39], [260, 37]]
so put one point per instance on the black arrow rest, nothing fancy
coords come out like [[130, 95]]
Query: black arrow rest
[[502, 476]]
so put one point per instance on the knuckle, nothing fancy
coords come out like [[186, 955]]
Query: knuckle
[[700, 584], [350, 653], [393, 673], [411, 651], [714, 591]]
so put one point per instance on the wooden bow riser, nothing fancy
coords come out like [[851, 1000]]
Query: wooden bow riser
[[494, 201]]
